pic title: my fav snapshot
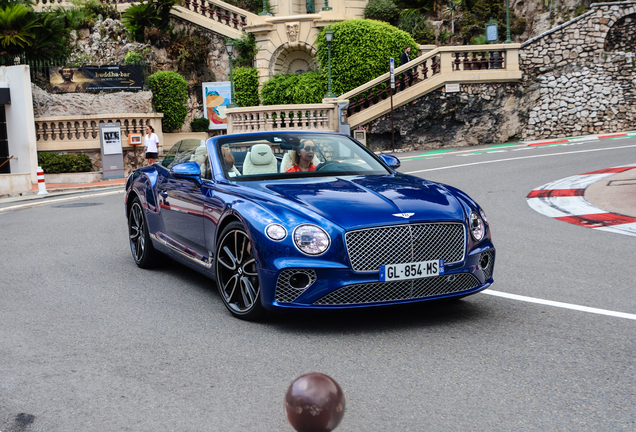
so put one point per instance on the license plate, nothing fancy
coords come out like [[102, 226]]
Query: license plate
[[391, 272]]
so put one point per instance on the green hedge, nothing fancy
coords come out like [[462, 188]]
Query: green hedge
[[382, 10], [169, 95], [246, 87], [200, 124], [306, 88], [360, 51], [54, 163]]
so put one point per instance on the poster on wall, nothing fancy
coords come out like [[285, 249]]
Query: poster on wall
[[68, 79], [216, 98]]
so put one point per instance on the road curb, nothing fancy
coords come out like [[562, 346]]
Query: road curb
[[580, 139]]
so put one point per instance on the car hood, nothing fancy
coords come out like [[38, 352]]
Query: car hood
[[360, 201]]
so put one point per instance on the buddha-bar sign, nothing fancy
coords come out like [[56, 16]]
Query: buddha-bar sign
[[67, 79]]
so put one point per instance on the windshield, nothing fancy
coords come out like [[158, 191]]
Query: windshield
[[285, 155]]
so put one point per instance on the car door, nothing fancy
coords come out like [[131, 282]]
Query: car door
[[181, 201]]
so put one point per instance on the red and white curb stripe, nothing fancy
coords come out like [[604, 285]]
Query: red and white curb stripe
[[564, 200], [579, 139]]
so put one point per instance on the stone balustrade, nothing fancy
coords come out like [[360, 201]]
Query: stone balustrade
[[449, 64], [81, 133], [319, 117], [221, 12]]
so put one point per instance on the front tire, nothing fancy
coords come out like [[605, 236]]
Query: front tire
[[236, 275], [140, 244]]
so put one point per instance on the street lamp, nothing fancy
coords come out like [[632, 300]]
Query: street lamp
[[508, 40], [329, 37], [326, 6], [264, 11], [229, 47]]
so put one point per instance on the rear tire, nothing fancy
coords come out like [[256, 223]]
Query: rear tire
[[141, 246], [236, 276]]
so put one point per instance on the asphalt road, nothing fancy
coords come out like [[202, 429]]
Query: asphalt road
[[89, 342]]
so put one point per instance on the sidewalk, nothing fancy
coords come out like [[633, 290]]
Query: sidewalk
[[56, 189]]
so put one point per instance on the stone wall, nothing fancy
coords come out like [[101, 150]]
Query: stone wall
[[571, 86], [582, 88], [478, 114]]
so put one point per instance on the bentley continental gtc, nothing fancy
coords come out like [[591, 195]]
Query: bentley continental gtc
[[306, 220]]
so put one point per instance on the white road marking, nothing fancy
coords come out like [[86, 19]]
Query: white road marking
[[55, 201], [519, 158], [561, 305]]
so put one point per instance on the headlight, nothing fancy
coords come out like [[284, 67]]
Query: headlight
[[276, 232], [476, 226], [483, 215], [311, 239]]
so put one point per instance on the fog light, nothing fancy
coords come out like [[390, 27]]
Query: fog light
[[484, 261], [299, 281]]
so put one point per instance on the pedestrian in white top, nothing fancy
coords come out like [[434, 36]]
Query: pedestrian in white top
[[151, 141]]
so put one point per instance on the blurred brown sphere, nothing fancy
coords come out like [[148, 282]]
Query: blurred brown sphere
[[314, 403]]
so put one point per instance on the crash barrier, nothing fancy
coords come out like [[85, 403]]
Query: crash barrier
[[41, 182]]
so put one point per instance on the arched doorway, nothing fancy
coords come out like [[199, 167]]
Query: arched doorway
[[297, 59], [621, 37]]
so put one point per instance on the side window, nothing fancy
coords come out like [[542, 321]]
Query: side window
[[168, 160]]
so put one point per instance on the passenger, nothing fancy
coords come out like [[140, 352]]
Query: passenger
[[303, 158], [228, 158]]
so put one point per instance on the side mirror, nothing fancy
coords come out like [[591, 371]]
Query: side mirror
[[188, 171], [391, 161]]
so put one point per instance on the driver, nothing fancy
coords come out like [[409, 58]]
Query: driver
[[303, 158]]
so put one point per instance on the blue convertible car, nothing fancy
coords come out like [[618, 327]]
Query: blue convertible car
[[306, 220]]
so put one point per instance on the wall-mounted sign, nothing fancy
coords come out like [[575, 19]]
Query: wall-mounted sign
[[216, 98], [452, 88], [96, 78]]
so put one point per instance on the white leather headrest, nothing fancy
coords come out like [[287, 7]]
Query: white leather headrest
[[261, 154], [201, 150]]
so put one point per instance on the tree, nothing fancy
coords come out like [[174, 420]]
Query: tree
[[451, 9]]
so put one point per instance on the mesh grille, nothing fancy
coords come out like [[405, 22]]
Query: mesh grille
[[400, 290], [285, 293], [370, 248], [488, 271]]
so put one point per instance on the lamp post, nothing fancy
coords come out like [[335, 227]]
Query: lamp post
[[508, 40], [229, 46], [326, 6], [329, 37], [264, 11]]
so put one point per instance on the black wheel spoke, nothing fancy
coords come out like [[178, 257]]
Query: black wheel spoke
[[236, 272]]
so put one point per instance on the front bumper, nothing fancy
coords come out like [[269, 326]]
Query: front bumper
[[336, 287]]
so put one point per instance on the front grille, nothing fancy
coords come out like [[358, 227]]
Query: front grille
[[379, 292], [285, 293], [370, 248]]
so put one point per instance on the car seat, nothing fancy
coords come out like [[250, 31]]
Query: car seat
[[200, 156], [260, 160], [288, 158]]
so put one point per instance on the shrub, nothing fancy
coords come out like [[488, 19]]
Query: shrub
[[518, 27], [382, 10], [277, 90], [246, 49], [360, 51], [190, 50], [200, 124], [53, 163], [306, 88], [246, 87], [169, 95], [156, 37], [418, 27]]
